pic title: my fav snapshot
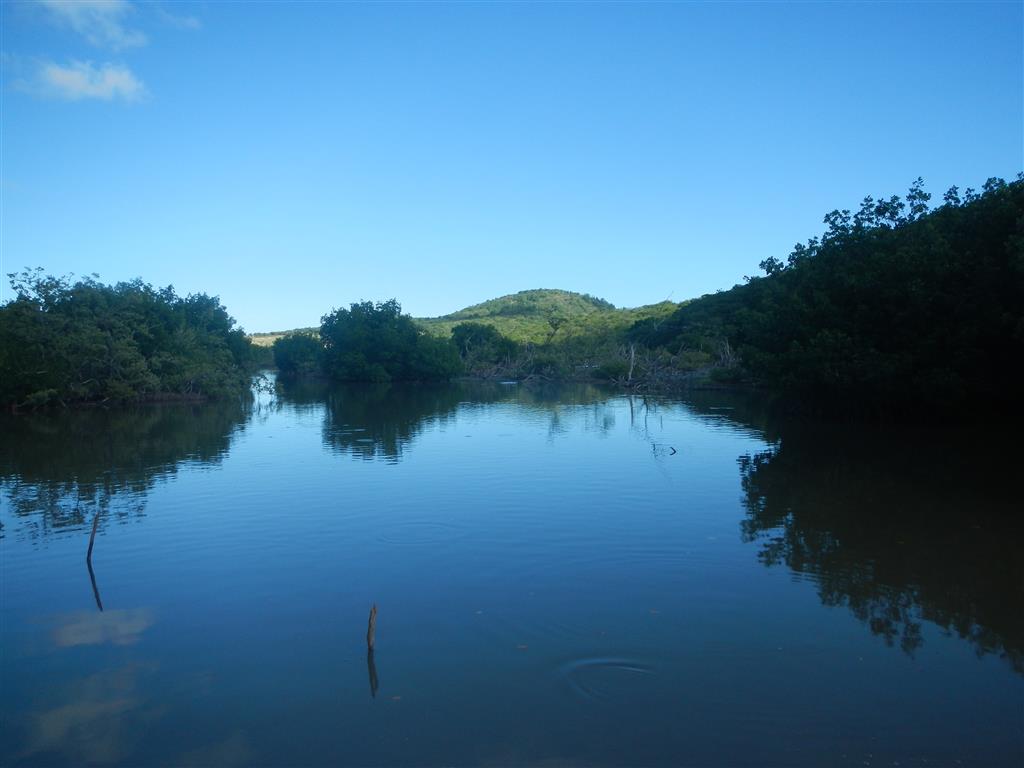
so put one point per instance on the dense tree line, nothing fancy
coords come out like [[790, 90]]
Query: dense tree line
[[894, 306], [64, 341]]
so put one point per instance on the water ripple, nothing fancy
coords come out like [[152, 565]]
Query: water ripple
[[604, 678]]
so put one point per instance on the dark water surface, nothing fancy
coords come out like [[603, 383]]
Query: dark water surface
[[564, 577]]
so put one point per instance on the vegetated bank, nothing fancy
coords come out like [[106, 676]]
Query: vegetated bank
[[543, 334], [896, 306], [65, 341]]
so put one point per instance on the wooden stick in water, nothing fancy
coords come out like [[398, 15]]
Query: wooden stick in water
[[92, 537], [372, 628]]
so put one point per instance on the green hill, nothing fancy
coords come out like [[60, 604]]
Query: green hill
[[540, 315], [531, 316]]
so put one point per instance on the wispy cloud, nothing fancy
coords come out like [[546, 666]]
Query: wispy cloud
[[101, 22], [176, 21], [83, 80]]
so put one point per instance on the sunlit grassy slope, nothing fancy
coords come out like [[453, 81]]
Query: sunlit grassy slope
[[268, 339], [533, 316]]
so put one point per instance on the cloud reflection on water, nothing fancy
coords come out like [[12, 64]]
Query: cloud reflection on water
[[123, 626]]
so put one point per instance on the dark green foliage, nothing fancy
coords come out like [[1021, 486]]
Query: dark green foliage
[[478, 342], [64, 341], [262, 356], [598, 302], [893, 307], [298, 354], [548, 365], [377, 343]]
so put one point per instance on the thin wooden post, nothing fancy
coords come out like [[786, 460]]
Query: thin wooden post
[[371, 628]]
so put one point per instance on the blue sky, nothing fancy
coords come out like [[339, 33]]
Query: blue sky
[[292, 158]]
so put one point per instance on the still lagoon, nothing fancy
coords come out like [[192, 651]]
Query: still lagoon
[[563, 575]]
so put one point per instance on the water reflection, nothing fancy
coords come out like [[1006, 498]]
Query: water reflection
[[380, 422], [235, 749], [898, 527], [631, 506], [371, 668], [95, 589], [58, 469], [116, 627], [101, 718]]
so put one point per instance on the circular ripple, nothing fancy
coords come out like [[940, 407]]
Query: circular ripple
[[605, 678]]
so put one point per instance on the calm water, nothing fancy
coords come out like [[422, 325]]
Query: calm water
[[564, 577]]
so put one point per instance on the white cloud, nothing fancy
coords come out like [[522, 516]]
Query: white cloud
[[83, 80], [101, 22]]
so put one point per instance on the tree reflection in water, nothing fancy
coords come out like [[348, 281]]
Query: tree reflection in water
[[899, 527], [59, 469], [379, 422]]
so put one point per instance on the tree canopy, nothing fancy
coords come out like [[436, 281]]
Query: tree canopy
[[894, 306], [376, 342], [65, 340]]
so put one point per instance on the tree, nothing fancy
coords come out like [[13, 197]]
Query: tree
[[298, 354], [376, 342], [480, 342]]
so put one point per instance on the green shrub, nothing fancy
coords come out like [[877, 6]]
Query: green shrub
[[298, 354]]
